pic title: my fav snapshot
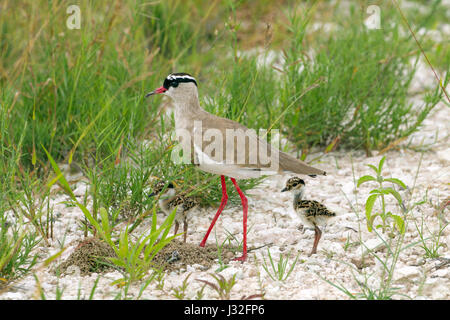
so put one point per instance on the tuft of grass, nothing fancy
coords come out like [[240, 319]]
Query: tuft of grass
[[364, 100], [222, 286], [433, 243], [16, 251], [280, 270], [180, 292]]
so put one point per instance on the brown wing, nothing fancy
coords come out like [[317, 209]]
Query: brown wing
[[189, 203], [314, 208], [175, 202], [257, 152]]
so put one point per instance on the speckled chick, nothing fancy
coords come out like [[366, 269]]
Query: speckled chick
[[312, 213], [169, 200]]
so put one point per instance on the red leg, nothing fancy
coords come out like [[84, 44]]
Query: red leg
[[318, 234], [185, 228], [245, 209], [177, 225], [222, 205]]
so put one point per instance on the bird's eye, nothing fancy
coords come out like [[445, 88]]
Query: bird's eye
[[174, 84]]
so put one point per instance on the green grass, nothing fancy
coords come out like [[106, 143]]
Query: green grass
[[363, 100], [431, 240], [279, 271], [16, 256], [221, 285], [79, 94]]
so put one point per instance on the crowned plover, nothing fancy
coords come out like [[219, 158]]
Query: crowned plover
[[312, 213], [169, 200], [210, 142]]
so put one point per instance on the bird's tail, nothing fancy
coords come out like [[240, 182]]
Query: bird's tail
[[290, 164]]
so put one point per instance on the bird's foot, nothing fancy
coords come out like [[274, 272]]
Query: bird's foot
[[241, 259]]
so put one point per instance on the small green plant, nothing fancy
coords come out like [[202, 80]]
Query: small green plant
[[222, 265], [432, 248], [432, 243], [200, 293], [136, 258], [222, 286], [380, 193], [33, 203], [160, 281], [348, 243], [94, 287], [144, 285], [279, 271], [16, 256], [124, 286], [234, 243], [180, 292]]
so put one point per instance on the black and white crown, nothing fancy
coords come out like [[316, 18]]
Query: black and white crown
[[174, 79]]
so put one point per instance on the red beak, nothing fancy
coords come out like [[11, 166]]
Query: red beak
[[157, 91]]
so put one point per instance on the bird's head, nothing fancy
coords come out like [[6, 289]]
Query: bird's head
[[178, 86], [294, 184], [167, 189]]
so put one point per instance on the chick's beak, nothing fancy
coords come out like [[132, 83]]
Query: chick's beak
[[157, 91], [285, 189]]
